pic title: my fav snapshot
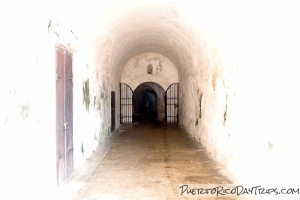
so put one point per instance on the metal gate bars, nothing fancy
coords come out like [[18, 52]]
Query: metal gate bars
[[126, 104], [171, 103]]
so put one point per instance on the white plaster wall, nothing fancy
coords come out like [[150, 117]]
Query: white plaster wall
[[246, 69], [135, 71], [27, 103], [91, 119]]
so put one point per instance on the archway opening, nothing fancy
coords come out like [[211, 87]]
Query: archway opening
[[148, 101]]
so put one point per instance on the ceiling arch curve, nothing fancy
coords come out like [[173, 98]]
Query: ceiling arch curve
[[139, 28], [163, 70]]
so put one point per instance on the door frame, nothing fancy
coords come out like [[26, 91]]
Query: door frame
[[64, 114]]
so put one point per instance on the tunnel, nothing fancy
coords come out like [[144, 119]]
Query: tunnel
[[189, 44], [224, 72]]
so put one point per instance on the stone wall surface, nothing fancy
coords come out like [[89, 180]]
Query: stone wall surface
[[135, 72]]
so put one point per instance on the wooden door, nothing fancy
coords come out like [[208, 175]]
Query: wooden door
[[64, 115], [68, 124], [60, 136]]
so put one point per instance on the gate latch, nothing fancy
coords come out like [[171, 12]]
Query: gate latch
[[65, 125]]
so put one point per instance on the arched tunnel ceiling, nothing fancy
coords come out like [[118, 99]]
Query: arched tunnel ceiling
[[189, 33], [158, 30], [123, 31]]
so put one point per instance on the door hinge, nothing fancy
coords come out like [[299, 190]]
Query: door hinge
[[59, 156], [65, 125]]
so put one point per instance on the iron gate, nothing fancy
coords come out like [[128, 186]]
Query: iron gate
[[126, 104], [171, 103]]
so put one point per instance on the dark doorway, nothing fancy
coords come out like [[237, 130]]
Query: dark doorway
[[149, 102], [113, 114], [64, 114], [146, 105]]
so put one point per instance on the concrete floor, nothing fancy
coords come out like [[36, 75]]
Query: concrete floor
[[145, 160]]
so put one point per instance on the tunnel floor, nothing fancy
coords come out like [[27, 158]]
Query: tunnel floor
[[145, 160]]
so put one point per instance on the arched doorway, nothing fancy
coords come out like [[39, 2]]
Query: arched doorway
[[148, 101]]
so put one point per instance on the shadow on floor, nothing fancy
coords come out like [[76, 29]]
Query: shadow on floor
[[149, 117]]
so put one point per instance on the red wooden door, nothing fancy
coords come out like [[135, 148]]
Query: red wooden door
[[60, 136], [69, 113], [64, 115]]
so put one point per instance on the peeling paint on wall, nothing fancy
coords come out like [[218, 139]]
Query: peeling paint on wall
[[98, 104], [104, 134], [198, 117], [225, 111], [24, 110], [214, 81], [200, 106], [86, 94], [82, 148], [270, 145]]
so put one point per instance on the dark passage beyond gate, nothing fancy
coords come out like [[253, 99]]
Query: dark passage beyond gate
[[149, 100]]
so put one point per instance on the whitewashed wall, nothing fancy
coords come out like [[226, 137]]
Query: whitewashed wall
[[135, 71], [27, 103]]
